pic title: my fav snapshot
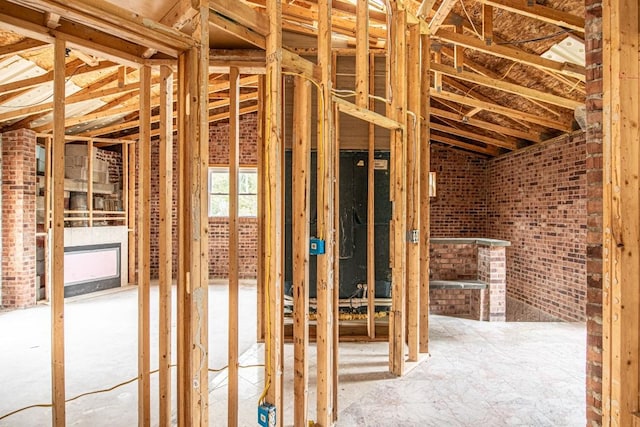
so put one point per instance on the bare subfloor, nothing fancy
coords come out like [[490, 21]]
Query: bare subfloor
[[478, 373]]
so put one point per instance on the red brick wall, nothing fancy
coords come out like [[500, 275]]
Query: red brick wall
[[218, 227], [453, 261], [460, 206], [593, 44], [538, 203], [18, 219]]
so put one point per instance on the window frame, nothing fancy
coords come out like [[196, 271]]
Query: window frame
[[246, 169]]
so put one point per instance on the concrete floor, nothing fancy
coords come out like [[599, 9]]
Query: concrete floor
[[478, 373]]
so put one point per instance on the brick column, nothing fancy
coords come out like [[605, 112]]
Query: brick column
[[593, 46], [492, 269], [18, 218]]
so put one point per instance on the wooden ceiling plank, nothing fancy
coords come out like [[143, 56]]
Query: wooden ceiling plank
[[505, 111], [441, 14], [28, 22], [466, 119], [539, 12], [512, 54], [508, 87], [180, 14], [490, 151], [238, 30], [21, 47], [242, 14], [115, 20], [510, 145]]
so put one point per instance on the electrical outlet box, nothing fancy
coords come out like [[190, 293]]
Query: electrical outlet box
[[266, 415], [316, 246]]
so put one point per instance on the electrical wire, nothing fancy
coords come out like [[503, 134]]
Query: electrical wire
[[475, 30], [106, 390], [538, 39]]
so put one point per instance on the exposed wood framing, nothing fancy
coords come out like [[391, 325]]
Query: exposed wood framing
[[193, 276], [413, 191], [362, 54], [336, 256], [325, 222], [260, 280], [367, 115], [371, 217], [131, 211], [301, 207], [165, 246], [487, 23], [57, 282], [398, 110], [234, 262], [425, 164], [621, 204], [144, 250], [273, 219], [441, 14], [508, 143], [20, 47]]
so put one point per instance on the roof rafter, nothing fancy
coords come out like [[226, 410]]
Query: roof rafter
[[542, 13]]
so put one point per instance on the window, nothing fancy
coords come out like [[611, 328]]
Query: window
[[219, 192]]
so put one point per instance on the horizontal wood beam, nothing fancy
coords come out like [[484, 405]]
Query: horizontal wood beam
[[241, 13], [490, 151], [366, 115], [112, 19], [529, 136], [517, 55], [539, 12], [505, 111], [28, 22], [507, 87]]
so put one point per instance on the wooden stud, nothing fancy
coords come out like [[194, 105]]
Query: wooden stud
[[425, 161], [131, 211], [397, 319], [234, 300], [165, 257], [362, 54], [458, 52], [413, 192], [371, 216], [90, 181], [301, 208], [487, 23], [437, 76], [621, 204], [57, 255], [260, 294], [182, 331], [325, 222], [144, 250], [273, 224], [47, 215], [336, 258]]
